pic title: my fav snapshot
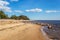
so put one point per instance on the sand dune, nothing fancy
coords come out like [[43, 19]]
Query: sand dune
[[21, 31]]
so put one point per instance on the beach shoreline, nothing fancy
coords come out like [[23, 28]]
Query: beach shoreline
[[17, 30]]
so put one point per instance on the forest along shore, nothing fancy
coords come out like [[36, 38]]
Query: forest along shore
[[17, 30]]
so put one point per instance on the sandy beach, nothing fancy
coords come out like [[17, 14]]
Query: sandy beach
[[20, 31]]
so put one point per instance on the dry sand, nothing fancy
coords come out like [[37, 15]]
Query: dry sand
[[21, 31]]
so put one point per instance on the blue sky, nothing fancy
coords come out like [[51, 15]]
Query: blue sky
[[34, 9]]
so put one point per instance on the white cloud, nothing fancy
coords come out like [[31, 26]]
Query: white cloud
[[7, 9], [4, 6], [34, 10], [18, 11], [14, 0], [52, 11], [2, 3]]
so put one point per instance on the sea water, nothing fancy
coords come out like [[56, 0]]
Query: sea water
[[53, 33]]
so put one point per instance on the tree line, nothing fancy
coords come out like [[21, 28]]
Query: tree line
[[21, 17]]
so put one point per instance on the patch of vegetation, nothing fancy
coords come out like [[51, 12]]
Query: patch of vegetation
[[21, 17], [3, 15]]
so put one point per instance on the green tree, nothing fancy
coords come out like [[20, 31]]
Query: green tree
[[3, 15], [13, 17], [23, 17]]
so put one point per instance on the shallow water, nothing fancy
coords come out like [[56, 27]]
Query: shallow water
[[53, 33]]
